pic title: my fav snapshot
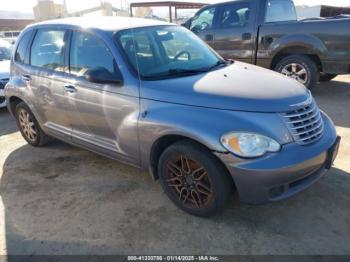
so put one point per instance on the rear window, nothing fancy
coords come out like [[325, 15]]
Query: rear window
[[280, 10], [47, 49]]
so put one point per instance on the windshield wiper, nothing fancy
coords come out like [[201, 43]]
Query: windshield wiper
[[180, 71], [176, 72], [219, 63]]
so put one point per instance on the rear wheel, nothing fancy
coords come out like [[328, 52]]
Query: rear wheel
[[29, 126], [194, 179], [299, 67], [327, 77]]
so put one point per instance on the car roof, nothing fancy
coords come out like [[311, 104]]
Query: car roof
[[106, 23]]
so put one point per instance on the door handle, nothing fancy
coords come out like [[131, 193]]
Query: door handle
[[246, 36], [209, 37], [70, 89], [26, 78]]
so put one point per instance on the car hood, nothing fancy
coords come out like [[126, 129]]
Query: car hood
[[240, 86], [4, 69]]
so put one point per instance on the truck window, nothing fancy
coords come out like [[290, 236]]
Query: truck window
[[234, 15], [280, 10], [203, 20]]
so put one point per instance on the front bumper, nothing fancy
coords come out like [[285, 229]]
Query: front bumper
[[280, 175]]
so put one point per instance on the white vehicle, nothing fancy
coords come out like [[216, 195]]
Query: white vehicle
[[5, 56], [10, 36]]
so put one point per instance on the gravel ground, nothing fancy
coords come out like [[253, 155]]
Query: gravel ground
[[64, 200]]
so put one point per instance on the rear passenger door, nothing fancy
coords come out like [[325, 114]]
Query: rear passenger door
[[104, 116], [46, 78], [235, 31]]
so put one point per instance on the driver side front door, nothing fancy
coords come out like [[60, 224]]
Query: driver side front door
[[202, 24]]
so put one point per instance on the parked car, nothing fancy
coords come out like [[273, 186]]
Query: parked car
[[267, 33], [9, 36], [153, 95], [5, 56]]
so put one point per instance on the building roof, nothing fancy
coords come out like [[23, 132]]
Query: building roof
[[107, 23]]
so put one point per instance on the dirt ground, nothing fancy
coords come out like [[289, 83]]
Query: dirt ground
[[64, 200]]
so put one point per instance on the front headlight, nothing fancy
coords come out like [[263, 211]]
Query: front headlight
[[246, 144]]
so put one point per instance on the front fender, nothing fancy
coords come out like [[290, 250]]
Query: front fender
[[203, 125]]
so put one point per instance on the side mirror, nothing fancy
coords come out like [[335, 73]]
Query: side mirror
[[101, 75]]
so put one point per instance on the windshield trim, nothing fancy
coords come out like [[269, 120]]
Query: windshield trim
[[136, 73]]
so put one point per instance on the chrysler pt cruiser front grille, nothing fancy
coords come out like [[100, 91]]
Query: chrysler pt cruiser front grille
[[305, 123]]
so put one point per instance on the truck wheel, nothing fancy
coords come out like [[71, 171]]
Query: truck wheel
[[327, 77], [194, 179], [299, 67], [29, 126]]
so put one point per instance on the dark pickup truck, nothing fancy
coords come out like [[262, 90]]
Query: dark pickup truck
[[268, 34]]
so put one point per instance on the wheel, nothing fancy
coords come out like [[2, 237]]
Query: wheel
[[299, 67], [327, 77], [29, 126], [194, 179]]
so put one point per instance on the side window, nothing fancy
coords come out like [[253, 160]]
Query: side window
[[47, 49], [87, 51], [280, 10], [22, 47], [203, 21], [235, 15]]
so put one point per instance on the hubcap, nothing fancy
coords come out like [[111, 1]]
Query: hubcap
[[189, 181], [296, 71], [27, 125]]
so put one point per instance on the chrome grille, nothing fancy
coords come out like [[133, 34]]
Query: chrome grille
[[305, 123]]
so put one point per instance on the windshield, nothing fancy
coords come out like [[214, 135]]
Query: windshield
[[166, 51], [5, 50]]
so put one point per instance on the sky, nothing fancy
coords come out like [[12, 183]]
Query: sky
[[74, 5]]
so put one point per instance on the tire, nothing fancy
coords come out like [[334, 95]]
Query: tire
[[201, 193], [327, 77], [29, 126], [293, 65]]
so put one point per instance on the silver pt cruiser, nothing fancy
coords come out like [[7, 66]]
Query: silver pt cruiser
[[153, 95]]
